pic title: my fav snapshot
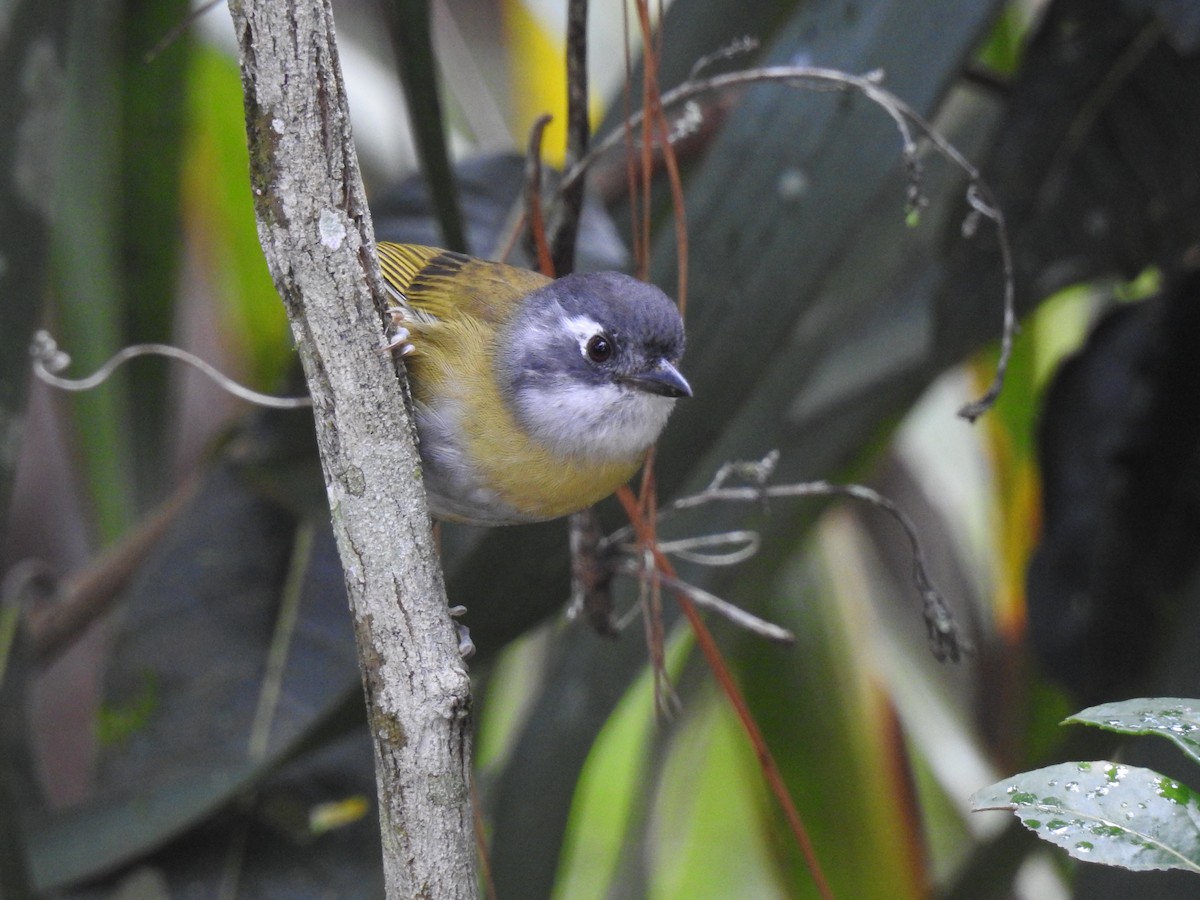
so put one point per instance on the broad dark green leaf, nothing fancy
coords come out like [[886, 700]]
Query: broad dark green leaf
[[816, 317], [152, 116], [184, 686], [115, 240], [763, 323]]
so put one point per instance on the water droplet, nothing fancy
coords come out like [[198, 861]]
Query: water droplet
[[792, 184]]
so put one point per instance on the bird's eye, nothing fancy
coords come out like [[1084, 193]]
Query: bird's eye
[[599, 348]]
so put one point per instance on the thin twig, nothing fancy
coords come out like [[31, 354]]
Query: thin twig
[[85, 596], [713, 603], [590, 577], [590, 580], [176, 32], [533, 199], [653, 102], [642, 197], [712, 655], [638, 242], [651, 595], [979, 195], [747, 542], [736, 47], [946, 642], [282, 637]]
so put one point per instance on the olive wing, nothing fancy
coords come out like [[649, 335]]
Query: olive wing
[[444, 285]]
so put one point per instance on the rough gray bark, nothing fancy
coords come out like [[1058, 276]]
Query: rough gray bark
[[316, 234]]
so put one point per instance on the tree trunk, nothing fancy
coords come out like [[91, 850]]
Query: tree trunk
[[316, 233]]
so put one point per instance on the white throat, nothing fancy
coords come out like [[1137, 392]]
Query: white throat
[[599, 422]]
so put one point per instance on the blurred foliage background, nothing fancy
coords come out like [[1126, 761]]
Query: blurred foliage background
[[179, 699]]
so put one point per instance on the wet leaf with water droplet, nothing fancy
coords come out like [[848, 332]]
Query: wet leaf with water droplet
[[1175, 718], [1113, 814]]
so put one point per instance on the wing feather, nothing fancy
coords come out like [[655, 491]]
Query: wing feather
[[444, 285]]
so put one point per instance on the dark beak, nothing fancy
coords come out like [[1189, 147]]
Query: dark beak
[[664, 379]]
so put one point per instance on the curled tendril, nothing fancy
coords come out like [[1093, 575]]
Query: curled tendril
[[49, 361]]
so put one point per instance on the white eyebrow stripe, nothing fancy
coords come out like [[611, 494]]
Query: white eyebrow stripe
[[583, 329]]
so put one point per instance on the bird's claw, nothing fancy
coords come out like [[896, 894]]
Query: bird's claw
[[398, 339], [466, 646]]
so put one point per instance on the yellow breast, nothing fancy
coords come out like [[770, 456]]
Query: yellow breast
[[461, 306], [450, 370]]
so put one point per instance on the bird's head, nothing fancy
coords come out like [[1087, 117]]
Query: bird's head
[[589, 365]]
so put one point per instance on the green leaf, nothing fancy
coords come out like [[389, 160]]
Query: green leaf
[[219, 210], [85, 254], [1104, 812], [1170, 717]]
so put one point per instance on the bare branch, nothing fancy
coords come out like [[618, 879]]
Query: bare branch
[[316, 234], [907, 119], [721, 607], [945, 640], [939, 620], [85, 596], [178, 31], [533, 196], [736, 47], [590, 577], [747, 544]]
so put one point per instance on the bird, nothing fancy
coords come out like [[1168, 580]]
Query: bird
[[534, 397]]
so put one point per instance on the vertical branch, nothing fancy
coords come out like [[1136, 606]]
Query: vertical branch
[[639, 243], [656, 121], [533, 197], [411, 32], [589, 589], [562, 242], [317, 238], [646, 169]]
